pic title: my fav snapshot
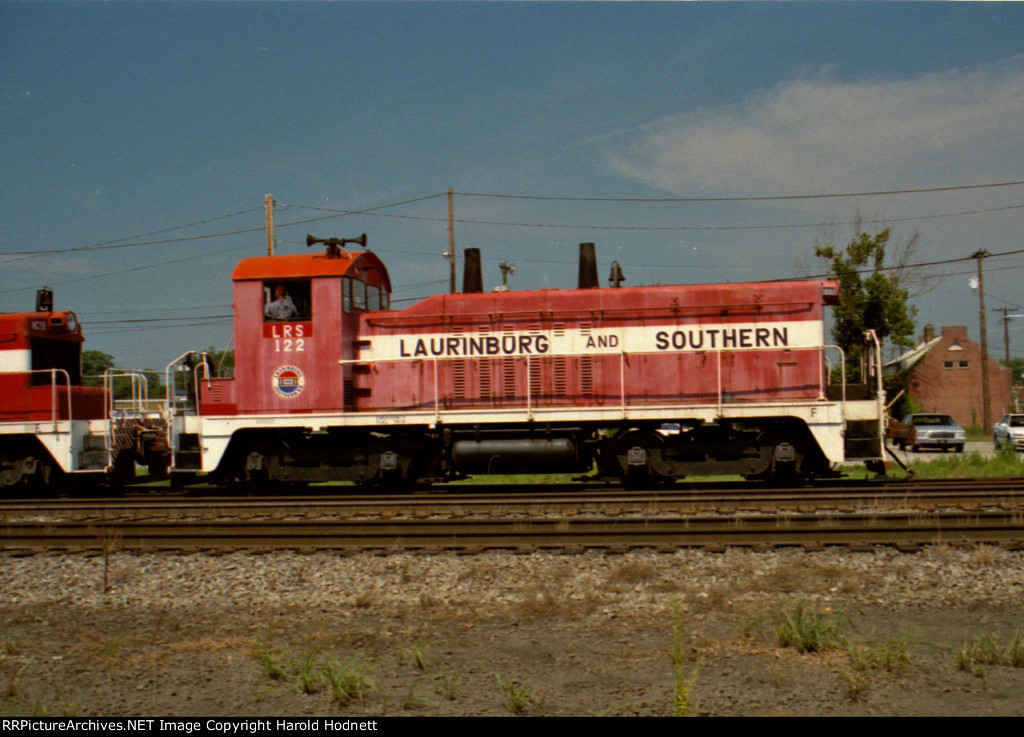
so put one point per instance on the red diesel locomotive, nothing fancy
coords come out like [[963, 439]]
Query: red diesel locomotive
[[54, 428], [643, 384]]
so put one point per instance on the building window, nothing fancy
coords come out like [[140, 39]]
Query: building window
[[947, 365], [965, 364]]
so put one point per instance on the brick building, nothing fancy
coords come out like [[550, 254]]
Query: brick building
[[946, 377]]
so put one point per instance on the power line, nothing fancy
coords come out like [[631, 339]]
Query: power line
[[111, 244], [184, 239], [682, 228], [752, 198], [129, 271], [920, 265], [159, 319]]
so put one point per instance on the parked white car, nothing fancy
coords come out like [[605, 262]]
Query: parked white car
[[1009, 431]]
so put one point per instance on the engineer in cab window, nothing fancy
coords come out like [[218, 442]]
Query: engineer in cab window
[[282, 308]]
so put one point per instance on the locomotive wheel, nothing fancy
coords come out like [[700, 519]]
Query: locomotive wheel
[[259, 464], [24, 469], [633, 452]]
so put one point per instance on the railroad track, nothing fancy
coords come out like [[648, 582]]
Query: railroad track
[[986, 511], [538, 501], [549, 533]]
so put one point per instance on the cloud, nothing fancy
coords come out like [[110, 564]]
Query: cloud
[[819, 134]]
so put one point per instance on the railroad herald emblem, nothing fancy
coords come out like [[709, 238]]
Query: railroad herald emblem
[[288, 382]]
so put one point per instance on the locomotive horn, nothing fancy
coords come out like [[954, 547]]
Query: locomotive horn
[[360, 241]]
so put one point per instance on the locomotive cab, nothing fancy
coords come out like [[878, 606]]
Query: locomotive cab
[[41, 369], [45, 411], [296, 319]]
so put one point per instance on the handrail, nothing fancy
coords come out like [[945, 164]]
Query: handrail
[[53, 392], [140, 388], [842, 376], [623, 357], [570, 313]]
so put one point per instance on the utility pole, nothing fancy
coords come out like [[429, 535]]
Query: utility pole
[[269, 201], [451, 243], [1006, 328], [986, 420]]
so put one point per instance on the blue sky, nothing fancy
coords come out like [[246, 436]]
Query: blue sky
[[161, 127]]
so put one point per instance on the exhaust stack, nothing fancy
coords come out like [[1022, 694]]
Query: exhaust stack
[[588, 267], [472, 274]]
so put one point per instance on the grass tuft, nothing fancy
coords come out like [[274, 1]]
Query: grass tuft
[[806, 628], [973, 656], [518, 698], [349, 681], [449, 687], [891, 656], [682, 689]]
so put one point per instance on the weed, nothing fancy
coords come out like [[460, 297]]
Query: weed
[[809, 630], [623, 709], [311, 677], [856, 685], [517, 697], [891, 656], [633, 572], [988, 555], [268, 660], [967, 661], [748, 622], [986, 650], [365, 599], [349, 681], [682, 684], [1005, 463], [413, 700], [429, 601], [114, 646], [419, 656], [449, 687], [10, 644], [110, 541], [11, 686], [415, 654]]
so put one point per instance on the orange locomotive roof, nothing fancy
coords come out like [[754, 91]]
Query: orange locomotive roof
[[361, 264]]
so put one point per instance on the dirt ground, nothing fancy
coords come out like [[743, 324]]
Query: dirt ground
[[697, 653]]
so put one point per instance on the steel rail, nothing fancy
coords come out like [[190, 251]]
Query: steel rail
[[716, 531], [531, 503]]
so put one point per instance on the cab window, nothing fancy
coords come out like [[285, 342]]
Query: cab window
[[372, 297], [358, 295], [286, 300], [64, 355]]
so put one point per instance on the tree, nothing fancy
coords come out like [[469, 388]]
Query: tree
[[222, 363], [94, 363], [1016, 365], [877, 301]]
